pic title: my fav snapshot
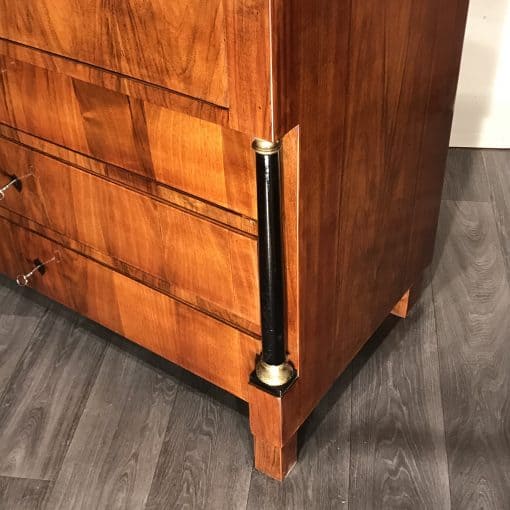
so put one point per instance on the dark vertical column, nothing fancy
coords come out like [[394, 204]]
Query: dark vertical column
[[273, 372]]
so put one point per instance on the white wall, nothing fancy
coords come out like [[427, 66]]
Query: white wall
[[482, 109]]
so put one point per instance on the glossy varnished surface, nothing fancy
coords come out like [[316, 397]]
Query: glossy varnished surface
[[193, 156], [189, 253], [165, 326], [369, 87], [180, 45], [369, 181], [130, 180], [418, 421], [207, 59]]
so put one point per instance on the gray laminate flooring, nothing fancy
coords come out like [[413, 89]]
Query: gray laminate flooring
[[420, 420]]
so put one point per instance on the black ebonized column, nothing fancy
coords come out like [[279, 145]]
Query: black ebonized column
[[273, 372]]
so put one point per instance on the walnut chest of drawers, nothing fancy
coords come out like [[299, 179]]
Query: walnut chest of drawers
[[245, 187]]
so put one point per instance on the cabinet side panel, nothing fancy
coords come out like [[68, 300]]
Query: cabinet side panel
[[370, 85], [434, 149]]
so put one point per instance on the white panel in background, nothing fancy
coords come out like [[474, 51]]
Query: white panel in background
[[482, 108]]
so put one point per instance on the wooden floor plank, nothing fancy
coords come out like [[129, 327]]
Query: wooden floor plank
[[19, 317], [497, 167], [398, 457], [22, 493], [113, 455], [465, 177], [206, 459], [320, 479], [45, 396], [472, 303]]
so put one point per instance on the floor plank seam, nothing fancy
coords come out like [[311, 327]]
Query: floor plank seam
[[436, 330]]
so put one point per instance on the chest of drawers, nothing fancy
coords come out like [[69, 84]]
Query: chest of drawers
[[245, 187]]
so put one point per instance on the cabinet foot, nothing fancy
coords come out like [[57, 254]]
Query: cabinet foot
[[273, 460], [274, 433], [406, 302]]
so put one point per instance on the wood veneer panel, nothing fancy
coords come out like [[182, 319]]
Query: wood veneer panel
[[133, 181], [189, 253], [205, 346], [442, 86], [163, 286], [178, 45], [236, 89], [289, 183], [197, 157], [362, 80], [116, 82]]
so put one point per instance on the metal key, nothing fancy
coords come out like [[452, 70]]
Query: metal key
[[24, 279], [13, 182]]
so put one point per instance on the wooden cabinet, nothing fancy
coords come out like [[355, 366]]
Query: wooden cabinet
[[126, 133]]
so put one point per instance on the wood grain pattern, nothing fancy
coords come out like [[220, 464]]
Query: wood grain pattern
[[220, 69], [275, 461], [179, 45], [362, 95], [208, 430], [119, 436], [41, 404], [116, 82], [434, 146], [205, 461], [134, 181], [189, 154], [289, 193], [248, 24], [190, 254], [466, 178], [275, 451], [18, 321], [398, 456], [407, 301], [402, 307], [472, 299], [135, 311], [320, 479], [132, 272], [22, 493], [365, 154], [496, 166]]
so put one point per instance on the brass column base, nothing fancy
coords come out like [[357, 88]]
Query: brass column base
[[274, 375], [274, 379]]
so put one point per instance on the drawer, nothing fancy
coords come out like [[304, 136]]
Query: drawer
[[177, 45], [203, 263], [199, 343], [196, 157]]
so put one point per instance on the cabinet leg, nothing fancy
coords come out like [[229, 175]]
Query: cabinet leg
[[275, 443], [273, 460], [403, 307]]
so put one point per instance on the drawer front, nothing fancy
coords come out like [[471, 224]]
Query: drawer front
[[178, 45], [199, 343], [194, 156], [203, 263]]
